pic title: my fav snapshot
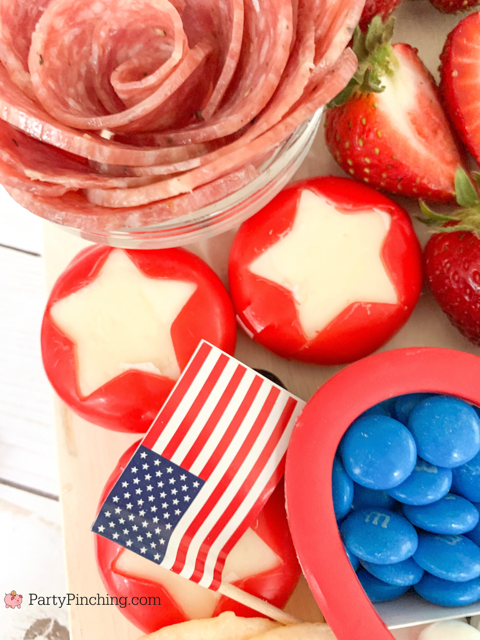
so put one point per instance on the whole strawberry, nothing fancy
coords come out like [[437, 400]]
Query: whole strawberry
[[372, 8], [460, 81], [452, 259], [387, 128], [454, 6]]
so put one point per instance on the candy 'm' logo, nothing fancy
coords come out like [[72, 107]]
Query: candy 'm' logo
[[451, 540], [377, 516], [423, 466]]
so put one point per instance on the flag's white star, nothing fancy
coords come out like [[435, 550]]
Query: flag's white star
[[139, 502], [126, 531], [143, 454], [162, 541], [111, 524], [144, 524], [124, 485], [157, 530], [148, 476], [168, 526], [115, 498], [196, 484], [153, 509], [177, 512], [149, 535], [157, 556], [115, 536], [166, 516], [174, 492], [142, 512], [183, 477], [121, 521], [156, 463], [129, 543], [153, 545], [162, 495], [172, 481], [160, 485], [155, 520], [139, 538], [170, 470], [164, 505], [129, 505], [149, 488], [136, 481], [126, 495], [184, 487], [135, 528], [101, 529], [121, 321], [108, 514], [186, 498], [134, 469], [175, 501], [151, 498], [145, 466], [138, 491], [328, 261], [131, 517], [118, 510], [143, 549]]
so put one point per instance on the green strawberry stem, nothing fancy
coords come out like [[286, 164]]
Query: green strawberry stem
[[375, 59], [467, 218]]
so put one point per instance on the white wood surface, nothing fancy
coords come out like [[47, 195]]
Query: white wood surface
[[30, 538]]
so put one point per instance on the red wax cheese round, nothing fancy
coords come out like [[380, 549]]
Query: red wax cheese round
[[327, 272], [121, 325], [263, 563]]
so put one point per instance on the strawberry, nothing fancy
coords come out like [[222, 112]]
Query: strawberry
[[453, 6], [383, 8], [459, 85], [387, 127], [452, 259]]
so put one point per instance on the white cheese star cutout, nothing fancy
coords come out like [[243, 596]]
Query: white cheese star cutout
[[328, 261], [122, 321], [250, 556]]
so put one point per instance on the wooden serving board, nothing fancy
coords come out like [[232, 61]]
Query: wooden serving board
[[87, 454]]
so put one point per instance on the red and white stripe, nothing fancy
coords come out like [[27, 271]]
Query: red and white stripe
[[231, 427]]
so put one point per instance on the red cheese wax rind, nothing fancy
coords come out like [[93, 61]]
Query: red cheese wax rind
[[275, 585], [360, 329], [131, 401]]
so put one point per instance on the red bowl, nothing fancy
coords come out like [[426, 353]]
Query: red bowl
[[314, 442]]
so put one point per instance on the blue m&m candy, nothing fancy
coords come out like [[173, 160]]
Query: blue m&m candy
[[379, 536], [401, 574], [379, 591], [452, 514], [446, 593], [474, 534], [378, 452], [404, 405], [454, 558], [364, 498], [427, 483], [342, 490], [466, 479], [446, 431], [354, 561]]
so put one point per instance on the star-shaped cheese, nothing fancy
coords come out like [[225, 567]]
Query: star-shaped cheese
[[328, 261], [121, 321], [250, 556]]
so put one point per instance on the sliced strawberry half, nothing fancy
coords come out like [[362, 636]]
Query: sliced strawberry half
[[390, 129], [460, 81]]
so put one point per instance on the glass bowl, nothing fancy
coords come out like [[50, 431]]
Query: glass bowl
[[224, 215]]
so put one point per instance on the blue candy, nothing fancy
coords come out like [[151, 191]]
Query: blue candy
[[427, 483], [474, 535], [404, 405], [378, 452], [466, 479], [342, 490], [450, 515], [446, 593], [354, 561], [401, 574], [379, 536], [377, 590], [364, 498], [446, 431], [454, 558]]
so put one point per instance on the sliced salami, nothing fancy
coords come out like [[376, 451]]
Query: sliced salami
[[116, 113]]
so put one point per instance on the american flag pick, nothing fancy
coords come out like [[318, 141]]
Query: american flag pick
[[204, 470]]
